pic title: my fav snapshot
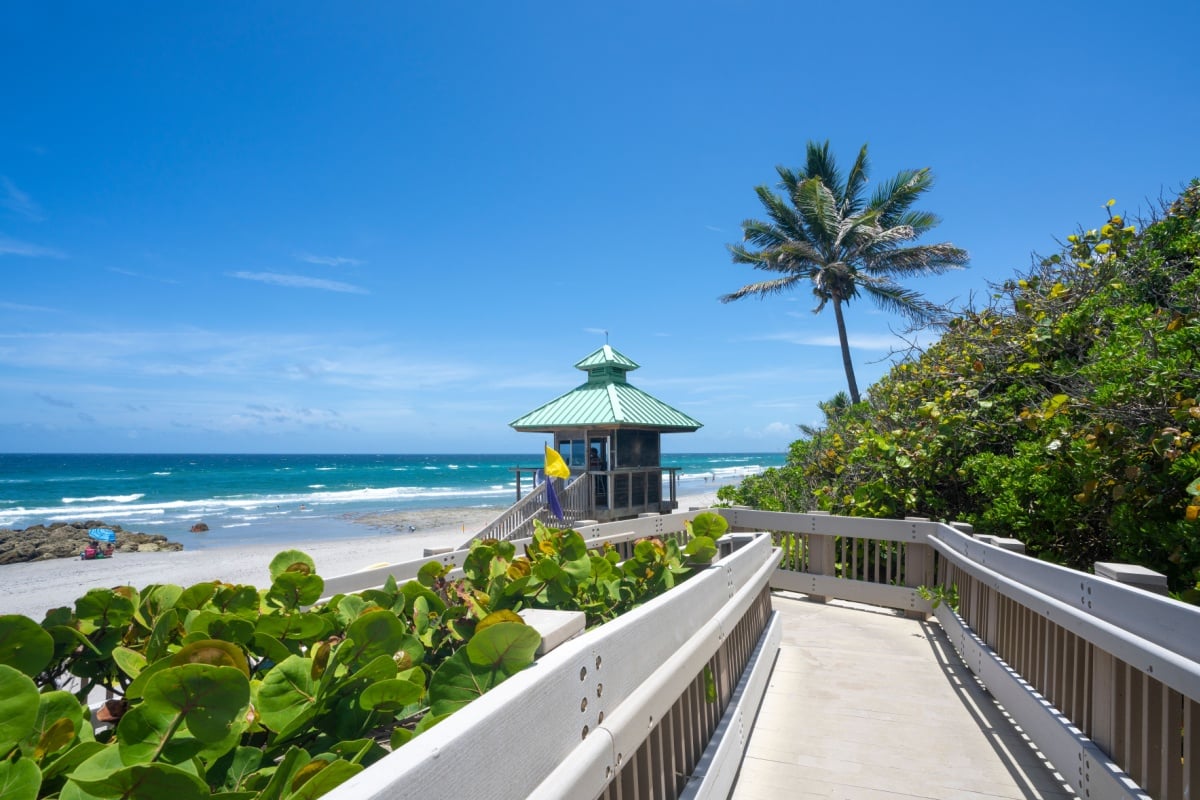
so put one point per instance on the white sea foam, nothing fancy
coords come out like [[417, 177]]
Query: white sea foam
[[105, 498]]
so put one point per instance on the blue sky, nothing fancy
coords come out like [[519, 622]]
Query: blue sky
[[394, 227]]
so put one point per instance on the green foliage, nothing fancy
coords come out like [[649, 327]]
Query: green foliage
[[1064, 413], [936, 595], [703, 532], [239, 692]]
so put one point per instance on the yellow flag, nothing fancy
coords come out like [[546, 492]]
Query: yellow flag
[[555, 466]]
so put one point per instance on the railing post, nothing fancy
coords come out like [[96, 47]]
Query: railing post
[[821, 560], [918, 567], [1133, 575]]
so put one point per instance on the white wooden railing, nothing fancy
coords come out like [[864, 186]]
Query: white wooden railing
[[1103, 678], [655, 704]]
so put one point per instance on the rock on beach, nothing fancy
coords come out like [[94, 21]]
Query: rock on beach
[[68, 539]]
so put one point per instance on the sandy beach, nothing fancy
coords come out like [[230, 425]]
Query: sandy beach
[[33, 588]]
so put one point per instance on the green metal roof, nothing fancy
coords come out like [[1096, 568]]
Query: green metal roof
[[605, 400]]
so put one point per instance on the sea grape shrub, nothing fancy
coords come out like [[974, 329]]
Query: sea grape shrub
[[230, 691], [1065, 413]]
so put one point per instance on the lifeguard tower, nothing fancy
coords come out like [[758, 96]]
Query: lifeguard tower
[[609, 434]]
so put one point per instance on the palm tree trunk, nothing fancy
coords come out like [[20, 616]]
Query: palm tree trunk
[[845, 342]]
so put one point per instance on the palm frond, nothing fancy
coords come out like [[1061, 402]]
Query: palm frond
[[894, 197], [920, 221], [820, 163], [762, 288], [915, 260], [818, 207], [783, 215], [762, 234], [892, 297], [856, 180]]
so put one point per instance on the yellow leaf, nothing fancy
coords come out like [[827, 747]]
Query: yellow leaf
[[1112, 202]]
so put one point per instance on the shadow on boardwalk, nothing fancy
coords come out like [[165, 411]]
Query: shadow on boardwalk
[[865, 703]]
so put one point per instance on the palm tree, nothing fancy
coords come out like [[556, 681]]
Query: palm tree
[[827, 233]]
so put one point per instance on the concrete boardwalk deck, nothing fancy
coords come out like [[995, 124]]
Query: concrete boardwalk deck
[[864, 703]]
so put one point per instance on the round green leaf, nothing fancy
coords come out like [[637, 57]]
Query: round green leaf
[[147, 782], [24, 645], [295, 589], [20, 779], [106, 608], [144, 731], [700, 549], [373, 634], [18, 707], [505, 647], [210, 698], [306, 627], [130, 661], [197, 595], [390, 695], [215, 652], [287, 693], [157, 599], [709, 524], [325, 779], [59, 721], [457, 682], [291, 561]]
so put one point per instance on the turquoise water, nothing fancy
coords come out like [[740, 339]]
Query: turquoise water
[[251, 497]]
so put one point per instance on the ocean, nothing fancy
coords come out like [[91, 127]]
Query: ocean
[[249, 498]]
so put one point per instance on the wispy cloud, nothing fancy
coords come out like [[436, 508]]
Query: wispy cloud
[[299, 282], [130, 273], [870, 341], [715, 228], [15, 247], [19, 202], [24, 308], [329, 261]]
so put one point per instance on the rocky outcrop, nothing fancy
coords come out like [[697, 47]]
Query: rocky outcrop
[[68, 539]]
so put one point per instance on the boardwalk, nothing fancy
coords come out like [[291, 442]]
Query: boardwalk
[[866, 704]]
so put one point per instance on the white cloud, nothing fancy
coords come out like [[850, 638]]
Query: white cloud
[[861, 341], [329, 261], [772, 430], [19, 202], [14, 247], [130, 273], [299, 282], [20, 307]]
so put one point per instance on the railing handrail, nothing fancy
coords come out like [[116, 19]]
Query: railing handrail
[[1156, 625], [517, 520], [590, 697], [1168, 660]]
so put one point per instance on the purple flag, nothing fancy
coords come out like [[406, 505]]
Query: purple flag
[[552, 498]]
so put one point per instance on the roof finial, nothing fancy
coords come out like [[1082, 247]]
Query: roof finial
[[606, 337]]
